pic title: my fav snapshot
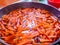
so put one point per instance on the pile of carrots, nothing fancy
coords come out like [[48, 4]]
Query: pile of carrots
[[29, 26]]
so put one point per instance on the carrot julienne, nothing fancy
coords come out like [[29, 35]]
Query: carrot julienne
[[29, 26]]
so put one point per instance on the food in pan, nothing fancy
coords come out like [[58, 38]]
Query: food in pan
[[29, 26]]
